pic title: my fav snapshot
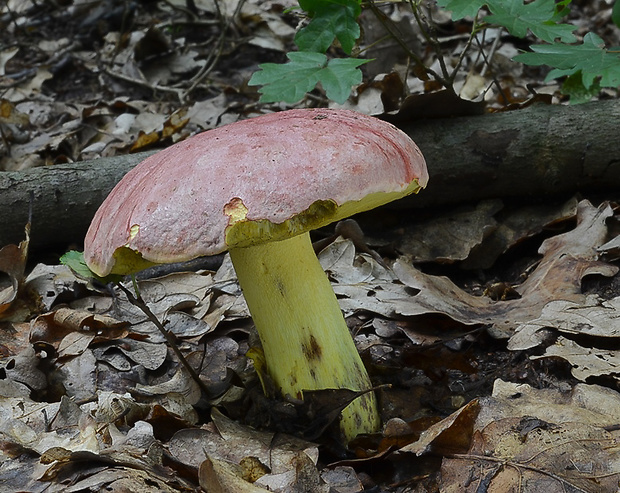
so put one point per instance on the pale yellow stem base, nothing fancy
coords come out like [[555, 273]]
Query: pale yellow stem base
[[305, 339]]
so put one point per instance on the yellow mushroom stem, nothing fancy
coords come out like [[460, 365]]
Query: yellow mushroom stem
[[306, 342]]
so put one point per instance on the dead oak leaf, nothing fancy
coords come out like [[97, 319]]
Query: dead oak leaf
[[567, 258], [532, 440]]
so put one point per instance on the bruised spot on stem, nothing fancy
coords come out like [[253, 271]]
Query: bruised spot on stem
[[311, 349]]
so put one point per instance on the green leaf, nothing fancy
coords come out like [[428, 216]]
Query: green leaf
[[462, 8], [339, 76], [590, 58], [75, 261], [561, 10], [330, 20], [536, 16], [290, 82], [615, 13], [573, 87]]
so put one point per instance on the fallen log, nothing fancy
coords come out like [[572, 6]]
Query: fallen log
[[536, 151]]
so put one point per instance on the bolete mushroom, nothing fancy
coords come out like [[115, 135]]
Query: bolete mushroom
[[256, 188]]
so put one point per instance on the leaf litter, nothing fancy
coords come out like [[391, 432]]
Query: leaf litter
[[91, 397], [96, 388]]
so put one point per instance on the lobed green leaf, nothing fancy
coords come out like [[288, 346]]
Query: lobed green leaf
[[462, 8], [339, 76], [537, 17], [590, 58], [290, 82], [330, 20]]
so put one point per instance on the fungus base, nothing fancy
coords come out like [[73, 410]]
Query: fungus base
[[306, 342]]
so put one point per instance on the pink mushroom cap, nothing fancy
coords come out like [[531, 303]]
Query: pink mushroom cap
[[262, 179]]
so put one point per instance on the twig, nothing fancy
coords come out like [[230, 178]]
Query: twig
[[518, 466], [381, 17], [139, 302], [143, 83], [212, 61], [488, 58], [459, 62], [446, 80]]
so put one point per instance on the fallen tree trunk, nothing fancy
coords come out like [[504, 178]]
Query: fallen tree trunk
[[532, 152]]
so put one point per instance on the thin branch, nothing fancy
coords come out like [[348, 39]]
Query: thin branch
[[139, 303], [143, 83], [389, 28], [446, 80], [212, 61], [519, 466]]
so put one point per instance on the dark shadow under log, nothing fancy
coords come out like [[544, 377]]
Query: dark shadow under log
[[537, 151]]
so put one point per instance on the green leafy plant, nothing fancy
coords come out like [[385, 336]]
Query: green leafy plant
[[291, 81], [330, 20], [589, 66], [586, 66]]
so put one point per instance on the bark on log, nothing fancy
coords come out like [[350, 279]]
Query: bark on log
[[532, 152]]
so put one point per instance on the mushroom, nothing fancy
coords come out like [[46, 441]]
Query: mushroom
[[256, 188]]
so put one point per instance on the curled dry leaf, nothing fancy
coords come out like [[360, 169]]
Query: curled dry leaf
[[220, 476], [285, 456], [532, 440], [450, 435], [611, 249], [594, 318], [54, 326], [567, 258], [585, 361], [12, 263]]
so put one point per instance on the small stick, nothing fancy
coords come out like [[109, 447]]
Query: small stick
[[140, 303]]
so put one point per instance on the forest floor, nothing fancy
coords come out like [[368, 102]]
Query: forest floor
[[491, 329]]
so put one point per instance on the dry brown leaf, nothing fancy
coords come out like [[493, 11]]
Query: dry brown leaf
[[23, 368], [593, 317], [76, 320], [450, 435], [74, 343], [531, 440], [10, 114], [341, 263], [220, 476], [172, 298], [229, 441], [567, 258], [13, 263], [51, 281], [548, 457], [585, 361], [450, 237], [611, 249], [180, 392], [513, 227], [53, 327], [79, 376]]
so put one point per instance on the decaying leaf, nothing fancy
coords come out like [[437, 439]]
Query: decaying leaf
[[291, 461], [594, 318], [585, 361], [533, 440], [219, 476], [450, 435], [567, 258], [13, 264], [450, 237]]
